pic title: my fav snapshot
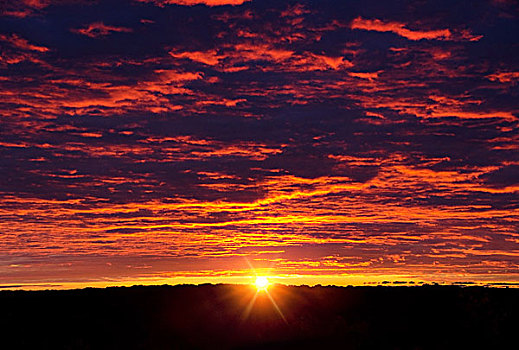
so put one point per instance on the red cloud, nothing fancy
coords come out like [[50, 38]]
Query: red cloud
[[196, 2], [365, 75], [22, 8], [21, 43], [98, 29], [239, 55], [209, 57], [36, 3], [504, 77], [400, 29], [25, 8]]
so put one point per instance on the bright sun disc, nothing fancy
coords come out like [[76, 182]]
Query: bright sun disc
[[261, 283]]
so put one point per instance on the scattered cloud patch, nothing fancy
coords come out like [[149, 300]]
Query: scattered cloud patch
[[196, 2], [99, 29], [402, 30]]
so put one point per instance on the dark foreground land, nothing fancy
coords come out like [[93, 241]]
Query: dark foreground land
[[215, 317]]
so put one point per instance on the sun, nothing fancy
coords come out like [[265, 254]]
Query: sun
[[262, 283]]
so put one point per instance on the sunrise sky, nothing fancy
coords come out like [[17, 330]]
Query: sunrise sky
[[189, 141]]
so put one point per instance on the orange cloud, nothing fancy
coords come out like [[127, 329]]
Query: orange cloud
[[365, 75], [22, 8], [242, 56], [400, 29], [196, 2], [504, 77], [22, 43], [98, 29], [209, 57]]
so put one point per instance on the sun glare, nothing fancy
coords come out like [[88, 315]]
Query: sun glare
[[261, 283]]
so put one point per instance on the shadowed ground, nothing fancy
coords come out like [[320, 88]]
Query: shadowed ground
[[215, 317]]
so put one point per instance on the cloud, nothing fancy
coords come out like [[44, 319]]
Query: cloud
[[399, 29], [209, 57], [269, 126], [99, 29], [22, 8], [504, 77], [196, 2], [239, 57], [27, 8], [22, 43]]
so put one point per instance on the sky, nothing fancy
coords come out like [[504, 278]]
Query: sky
[[190, 141]]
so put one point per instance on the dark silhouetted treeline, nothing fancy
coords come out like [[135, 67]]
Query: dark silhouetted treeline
[[216, 317]]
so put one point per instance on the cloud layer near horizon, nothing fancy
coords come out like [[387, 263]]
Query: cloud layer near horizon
[[152, 139]]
